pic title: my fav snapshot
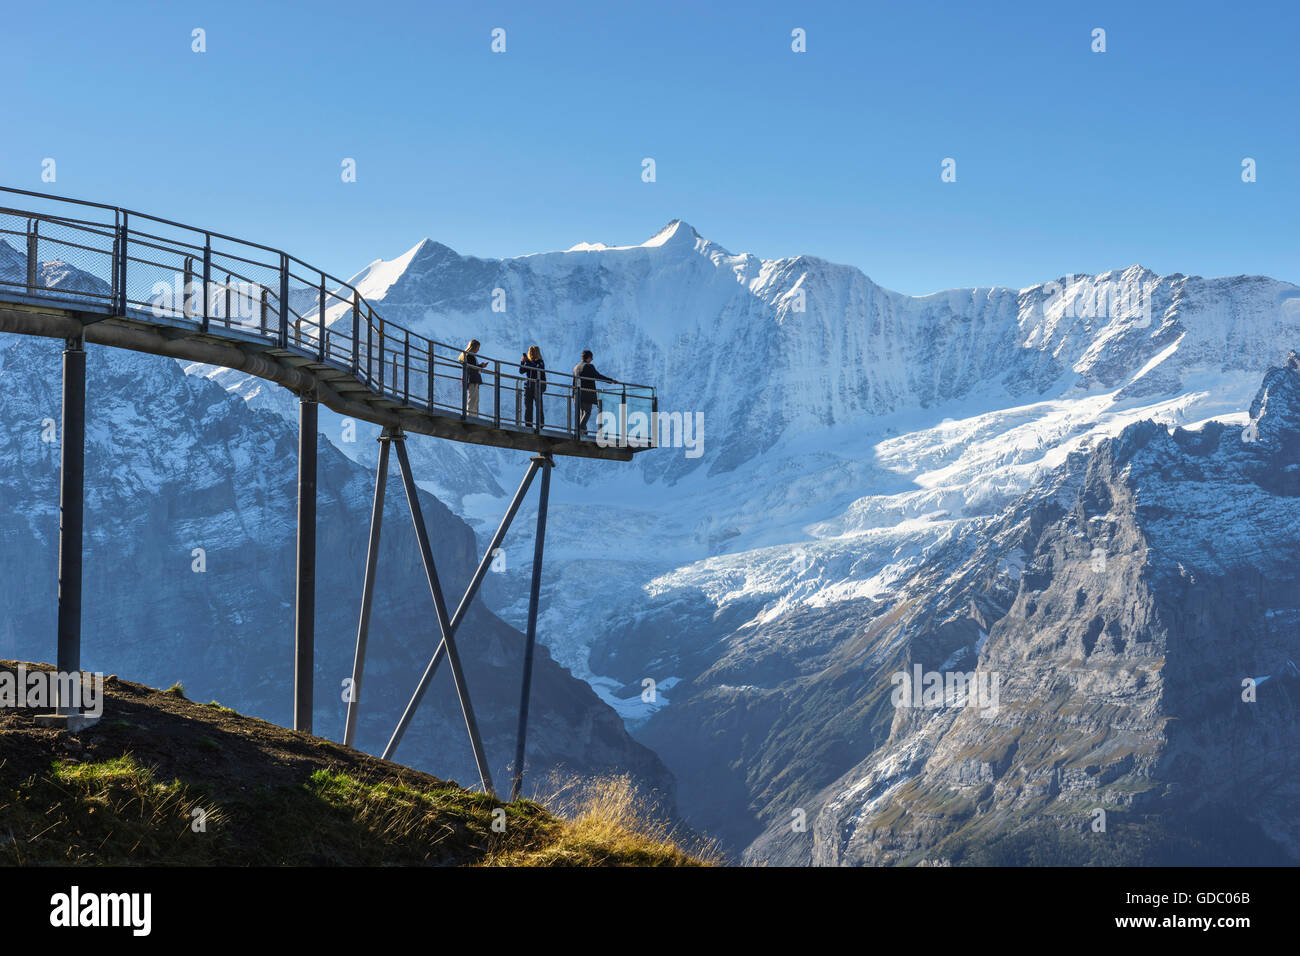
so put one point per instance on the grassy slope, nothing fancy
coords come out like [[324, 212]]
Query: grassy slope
[[129, 790]]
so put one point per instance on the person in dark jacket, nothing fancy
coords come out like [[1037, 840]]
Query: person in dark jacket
[[470, 377], [585, 378], [533, 369]]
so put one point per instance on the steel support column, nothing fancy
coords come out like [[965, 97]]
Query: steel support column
[[440, 609], [368, 588], [530, 637], [304, 630], [466, 600], [72, 502]]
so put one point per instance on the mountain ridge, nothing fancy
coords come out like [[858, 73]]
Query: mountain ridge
[[856, 442]]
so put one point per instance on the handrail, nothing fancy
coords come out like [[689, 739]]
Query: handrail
[[325, 325]]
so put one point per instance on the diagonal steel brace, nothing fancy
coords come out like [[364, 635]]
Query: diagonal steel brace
[[462, 609], [444, 624]]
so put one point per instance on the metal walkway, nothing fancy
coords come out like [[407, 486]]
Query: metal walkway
[[134, 281], [88, 272]]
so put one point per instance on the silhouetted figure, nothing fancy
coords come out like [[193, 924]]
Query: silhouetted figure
[[470, 377], [585, 378], [534, 371]]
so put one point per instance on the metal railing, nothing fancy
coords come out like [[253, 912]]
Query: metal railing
[[137, 266]]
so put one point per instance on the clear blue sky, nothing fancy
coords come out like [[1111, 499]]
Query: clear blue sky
[[1067, 160]]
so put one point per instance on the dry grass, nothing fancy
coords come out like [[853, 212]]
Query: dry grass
[[388, 819], [605, 821]]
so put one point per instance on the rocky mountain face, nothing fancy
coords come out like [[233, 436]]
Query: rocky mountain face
[[1139, 612], [970, 481], [189, 567]]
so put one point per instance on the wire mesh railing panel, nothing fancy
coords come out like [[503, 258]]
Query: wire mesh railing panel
[[241, 291], [72, 261], [161, 281], [304, 305], [14, 244], [418, 372], [448, 394], [338, 328]]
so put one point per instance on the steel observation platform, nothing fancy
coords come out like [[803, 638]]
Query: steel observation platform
[[88, 272]]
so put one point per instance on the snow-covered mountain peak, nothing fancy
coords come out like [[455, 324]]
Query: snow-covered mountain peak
[[379, 276], [676, 233]]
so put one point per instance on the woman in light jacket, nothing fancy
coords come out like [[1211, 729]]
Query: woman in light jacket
[[470, 377]]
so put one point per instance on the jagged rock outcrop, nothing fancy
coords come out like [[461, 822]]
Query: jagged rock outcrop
[[1146, 660]]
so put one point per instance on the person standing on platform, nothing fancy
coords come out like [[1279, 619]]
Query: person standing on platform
[[470, 378], [585, 378], [533, 368]]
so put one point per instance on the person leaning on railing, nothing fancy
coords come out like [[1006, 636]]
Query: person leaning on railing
[[470, 377], [533, 369], [585, 378]]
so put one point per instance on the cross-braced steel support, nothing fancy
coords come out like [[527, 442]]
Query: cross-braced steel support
[[440, 610], [447, 626], [461, 609]]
